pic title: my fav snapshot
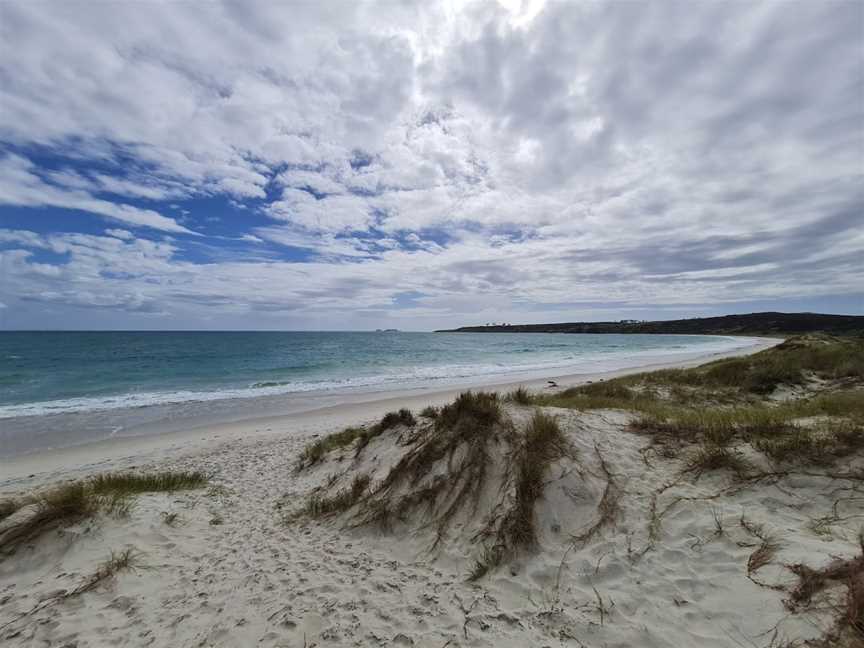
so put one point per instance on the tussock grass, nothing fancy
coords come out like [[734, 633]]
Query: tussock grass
[[775, 430], [823, 445], [712, 456], [124, 484], [116, 563], [78, 500], [429, 412], [470, 409], [463, 433], [317, 450], [63, 504], [389, 421], [543, 444], [319, 505], [8, 507], [520, 396]]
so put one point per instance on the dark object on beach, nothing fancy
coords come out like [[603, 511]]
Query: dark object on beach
[[552, 383]]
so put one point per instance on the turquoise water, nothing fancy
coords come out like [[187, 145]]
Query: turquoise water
[[86, 385]]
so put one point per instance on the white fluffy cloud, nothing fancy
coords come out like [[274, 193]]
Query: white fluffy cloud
[[518, 159]]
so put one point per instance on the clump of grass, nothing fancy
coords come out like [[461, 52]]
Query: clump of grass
[[116, 562], [61, 505], [74, 501], [849, 573], [711, 456], [429, 412], [480, 409], [816, 445], [389, 421], [544, 443], [465, 429], [134, 483], [319, 505], [8, 507], [315, 451], [392, 419], [604, 394], [520, 396]]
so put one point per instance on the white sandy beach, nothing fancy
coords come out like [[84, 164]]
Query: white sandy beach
[[232, 572]]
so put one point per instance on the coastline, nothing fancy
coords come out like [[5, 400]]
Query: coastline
[[329, 414]]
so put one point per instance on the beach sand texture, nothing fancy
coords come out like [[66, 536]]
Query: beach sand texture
[[230, 564]]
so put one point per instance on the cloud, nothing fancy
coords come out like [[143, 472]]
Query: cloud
[[521, 161], [21, 186]]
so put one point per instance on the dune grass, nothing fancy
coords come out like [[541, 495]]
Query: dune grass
[[8, 507], [463, 433], [319, 505], [317, 450], [79, 500], [730, 380], [542, 444], [64, 504], [520, 396], [128, 483], [849, 614]]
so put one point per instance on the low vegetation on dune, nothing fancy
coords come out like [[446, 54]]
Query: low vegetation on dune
[[520, 396], [471, 463], [515, 530], [462, 435], [727, 403], [79, 500], [361, 436], [133, 483], [838, 586]]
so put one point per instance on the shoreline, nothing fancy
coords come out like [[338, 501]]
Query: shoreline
[[125, 452]]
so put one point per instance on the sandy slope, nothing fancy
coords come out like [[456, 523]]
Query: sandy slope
[[233, 573]]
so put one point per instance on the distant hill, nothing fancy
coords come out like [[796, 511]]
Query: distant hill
[[749, 324]]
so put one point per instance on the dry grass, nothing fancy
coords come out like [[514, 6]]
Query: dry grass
[[61, 505], [74, 501], [609, 507], [387, 422], [8, 507], [116, 562], [429, 412], [765, 552], [319, 505], [849, 613], [459, 443], [520, 396], [712, 456], [124, 484], [543, 444], [317, 450]]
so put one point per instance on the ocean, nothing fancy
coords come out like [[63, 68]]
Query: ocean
[[67, 388]]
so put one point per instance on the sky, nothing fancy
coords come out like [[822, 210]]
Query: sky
[[356, 165]]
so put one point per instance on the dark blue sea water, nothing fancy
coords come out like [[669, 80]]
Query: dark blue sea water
[[46, 375]]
